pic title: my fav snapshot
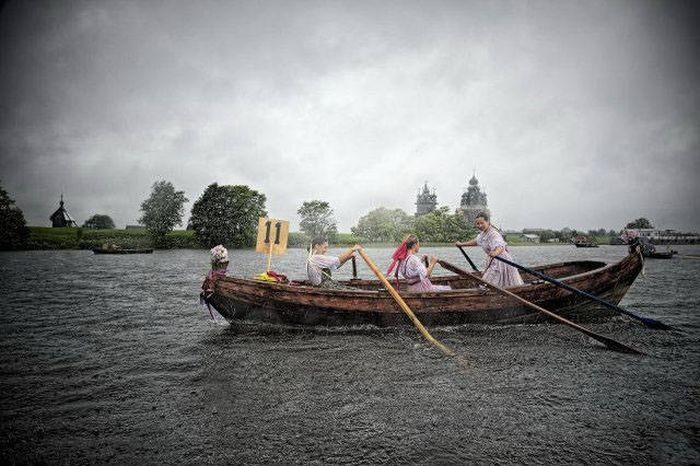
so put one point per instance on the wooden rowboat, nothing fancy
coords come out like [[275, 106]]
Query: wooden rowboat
[[368, 303], [122, 251]]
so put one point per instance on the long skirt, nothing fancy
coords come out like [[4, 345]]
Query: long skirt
[[501, 274], [426, 285]]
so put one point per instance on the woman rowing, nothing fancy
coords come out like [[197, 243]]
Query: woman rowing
[[497, 272], [319, 266], [410, 266]]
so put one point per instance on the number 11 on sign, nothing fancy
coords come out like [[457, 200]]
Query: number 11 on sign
[[272, 237]]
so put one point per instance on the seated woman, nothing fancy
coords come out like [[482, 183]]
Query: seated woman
[[219, 264], [319, 266], [417, 275], [497, 272]]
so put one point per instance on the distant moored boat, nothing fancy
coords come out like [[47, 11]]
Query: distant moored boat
[[122, 251], [584, 242]]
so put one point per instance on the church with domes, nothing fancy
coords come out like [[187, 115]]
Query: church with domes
[[473, 201], [426, 201]]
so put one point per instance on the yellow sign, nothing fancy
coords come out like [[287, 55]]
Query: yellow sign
[[272, 236]]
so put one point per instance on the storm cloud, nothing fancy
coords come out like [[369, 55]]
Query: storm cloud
[[579, 114]]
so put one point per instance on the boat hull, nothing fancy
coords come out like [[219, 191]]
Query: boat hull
[[251, 300]]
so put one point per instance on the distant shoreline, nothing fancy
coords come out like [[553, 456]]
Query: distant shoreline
[[47, 238]]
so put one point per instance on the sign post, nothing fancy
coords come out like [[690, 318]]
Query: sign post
[[272, 237]]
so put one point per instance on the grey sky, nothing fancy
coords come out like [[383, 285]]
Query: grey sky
[[574, 113]]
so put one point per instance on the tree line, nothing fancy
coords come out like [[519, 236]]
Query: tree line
[[228, 214]]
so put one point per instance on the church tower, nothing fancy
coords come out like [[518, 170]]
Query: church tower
[[426, 200], [473, 201], [61, 218]]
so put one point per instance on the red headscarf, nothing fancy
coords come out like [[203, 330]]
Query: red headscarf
[[399, 254]]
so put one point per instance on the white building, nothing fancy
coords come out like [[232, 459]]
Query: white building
[[666, 236]]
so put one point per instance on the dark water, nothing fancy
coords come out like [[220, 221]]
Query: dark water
[[110, 359]]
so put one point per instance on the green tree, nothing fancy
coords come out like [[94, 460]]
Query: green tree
[[640, 223], [456, 227], [162, 210], [439, 226], [565, 234], [383, 225], [546, 235], [227, 215], [99, 222], [317, 220], [13, 227]]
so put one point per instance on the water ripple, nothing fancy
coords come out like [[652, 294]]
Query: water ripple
[[109, 359]]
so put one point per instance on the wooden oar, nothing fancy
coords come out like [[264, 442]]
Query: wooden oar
[[404, 307], [468, 259], [609, 342], [649, 322]]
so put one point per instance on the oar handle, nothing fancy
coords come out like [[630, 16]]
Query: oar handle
[[461, 248], [653, 323]]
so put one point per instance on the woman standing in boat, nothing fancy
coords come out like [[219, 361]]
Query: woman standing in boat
[[417, 275], [493, 244], [319, 266]]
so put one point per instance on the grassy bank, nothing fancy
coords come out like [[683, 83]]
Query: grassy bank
[[82, 238]]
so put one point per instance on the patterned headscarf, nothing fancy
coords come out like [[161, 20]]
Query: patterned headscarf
[[399, 254], [219, 255]]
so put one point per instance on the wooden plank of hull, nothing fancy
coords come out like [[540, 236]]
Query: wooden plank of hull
[[244, 299]]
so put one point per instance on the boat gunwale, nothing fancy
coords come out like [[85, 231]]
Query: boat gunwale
[[452, 293]]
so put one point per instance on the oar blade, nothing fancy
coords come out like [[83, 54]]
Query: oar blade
[[608, 342], [617, 346], [655, 324], [648, 322]]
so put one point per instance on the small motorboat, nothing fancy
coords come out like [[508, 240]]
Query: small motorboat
[[660, 255], [582, 241], [122, 251]]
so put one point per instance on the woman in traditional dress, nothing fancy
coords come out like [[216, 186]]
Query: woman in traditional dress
[[410, 266], [219, 265], [497, 272], [319, 266]]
